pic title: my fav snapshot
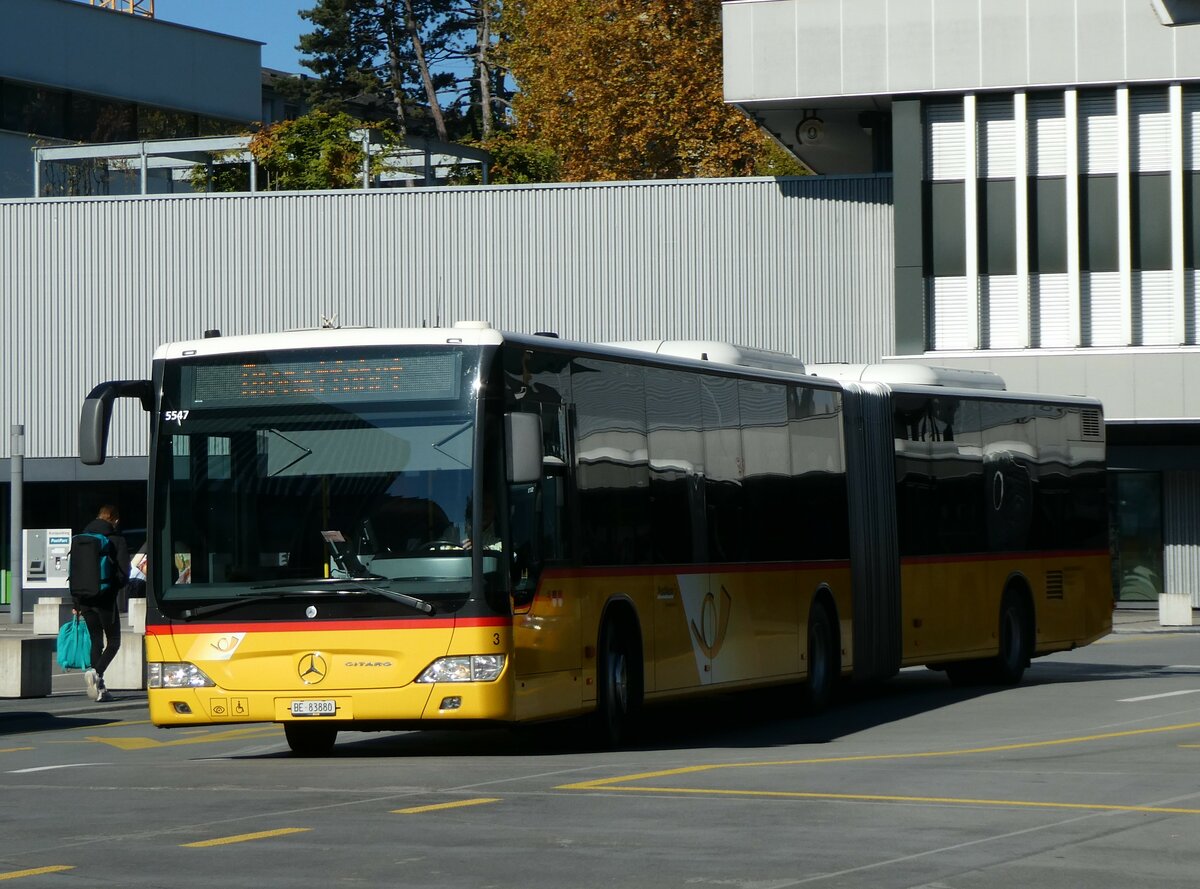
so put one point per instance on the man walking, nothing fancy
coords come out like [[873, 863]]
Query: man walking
[[98, 571]]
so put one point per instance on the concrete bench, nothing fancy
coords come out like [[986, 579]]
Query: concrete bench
[[26, 666], [1175, 610], [49, 614], [127, 672], [137, 615]]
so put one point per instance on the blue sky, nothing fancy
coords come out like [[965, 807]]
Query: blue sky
[[276, 23]]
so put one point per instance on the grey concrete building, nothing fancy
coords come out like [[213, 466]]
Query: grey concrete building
[[71, 72], [1045, 156]]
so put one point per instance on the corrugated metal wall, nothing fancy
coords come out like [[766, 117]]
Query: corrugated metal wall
[[802, 265], [1181, 534]]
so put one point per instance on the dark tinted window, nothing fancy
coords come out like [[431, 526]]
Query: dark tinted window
[[724, 468], [769, 528], [946, 232], [997, 227], [816, 496], [1048, 226], [612, 466], [676, 466]]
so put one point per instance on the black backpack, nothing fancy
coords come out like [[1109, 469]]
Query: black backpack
[[93, 571]]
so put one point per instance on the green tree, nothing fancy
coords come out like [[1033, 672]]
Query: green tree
[[316, 151], [383, 50], [628, 89]]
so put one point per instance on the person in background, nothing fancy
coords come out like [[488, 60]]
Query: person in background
[[136, 587], [100, 614]]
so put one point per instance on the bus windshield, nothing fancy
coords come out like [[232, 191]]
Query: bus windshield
[[301, 469]]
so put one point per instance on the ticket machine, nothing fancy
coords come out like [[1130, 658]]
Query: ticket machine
[[46, 560]]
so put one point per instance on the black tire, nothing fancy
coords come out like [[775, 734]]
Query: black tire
[[1016, 647], [307, 739], [618, 686], [1016, 643], [824, 661]]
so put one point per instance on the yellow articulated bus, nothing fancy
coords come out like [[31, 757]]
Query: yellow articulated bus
[[377, 529]]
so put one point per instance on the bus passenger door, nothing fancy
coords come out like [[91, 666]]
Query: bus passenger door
[[546, 597], [680, 543], [681, 659]]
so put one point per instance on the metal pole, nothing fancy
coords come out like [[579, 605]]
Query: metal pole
[[15, 544], [366, 160]]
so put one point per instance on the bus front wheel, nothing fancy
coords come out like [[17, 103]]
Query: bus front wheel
[[307, 739], [618, 688]]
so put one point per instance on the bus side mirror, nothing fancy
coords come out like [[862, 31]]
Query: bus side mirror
[[523, 435], [96, 414]]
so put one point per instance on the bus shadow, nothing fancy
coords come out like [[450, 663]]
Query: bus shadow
[[34, 721], [755, 719]]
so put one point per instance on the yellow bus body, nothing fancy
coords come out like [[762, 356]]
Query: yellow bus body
[[699, 632]]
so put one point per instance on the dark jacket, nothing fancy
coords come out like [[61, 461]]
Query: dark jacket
[[100, 526]]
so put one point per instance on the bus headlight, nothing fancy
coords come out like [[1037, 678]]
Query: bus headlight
[[176, 675], [472, 668]]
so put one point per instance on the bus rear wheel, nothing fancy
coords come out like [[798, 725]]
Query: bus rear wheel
[[1016, 647], [307, 739], [1016, 643], [618, 686], [824, 664]]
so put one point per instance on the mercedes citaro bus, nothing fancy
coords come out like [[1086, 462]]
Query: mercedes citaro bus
[[373, 529]]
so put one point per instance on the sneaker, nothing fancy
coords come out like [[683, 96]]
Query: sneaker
[[104, 696], [94, 683]]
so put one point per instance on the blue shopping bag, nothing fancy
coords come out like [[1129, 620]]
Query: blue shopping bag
[[74, 645]]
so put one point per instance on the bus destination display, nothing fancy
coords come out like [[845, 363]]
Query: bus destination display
[[409, 377]]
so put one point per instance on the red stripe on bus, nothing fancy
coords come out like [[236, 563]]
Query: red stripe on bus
[[660, 570], [1003, 557], [297, 626]]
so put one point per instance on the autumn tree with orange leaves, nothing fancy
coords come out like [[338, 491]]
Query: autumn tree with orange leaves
[[630, 89]]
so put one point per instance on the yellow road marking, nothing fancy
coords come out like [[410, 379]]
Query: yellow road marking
[[36, 871], [147, 743], [884, 798], [14, 749], [875, 757], [439, 806], [246, 837], [621, 782]]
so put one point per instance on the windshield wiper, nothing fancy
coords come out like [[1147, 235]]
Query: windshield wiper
[[304, 452], [307, 588], [315, 583], [413, 601], [215, 607], [320, 582]]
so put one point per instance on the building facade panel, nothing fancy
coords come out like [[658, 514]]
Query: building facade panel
[[816, 34], [1004, 48], [76, 46], [792, 264], [1100, 41], [956, 52], [956, 45], [910, 50], [1181, 534], [865, 47]]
